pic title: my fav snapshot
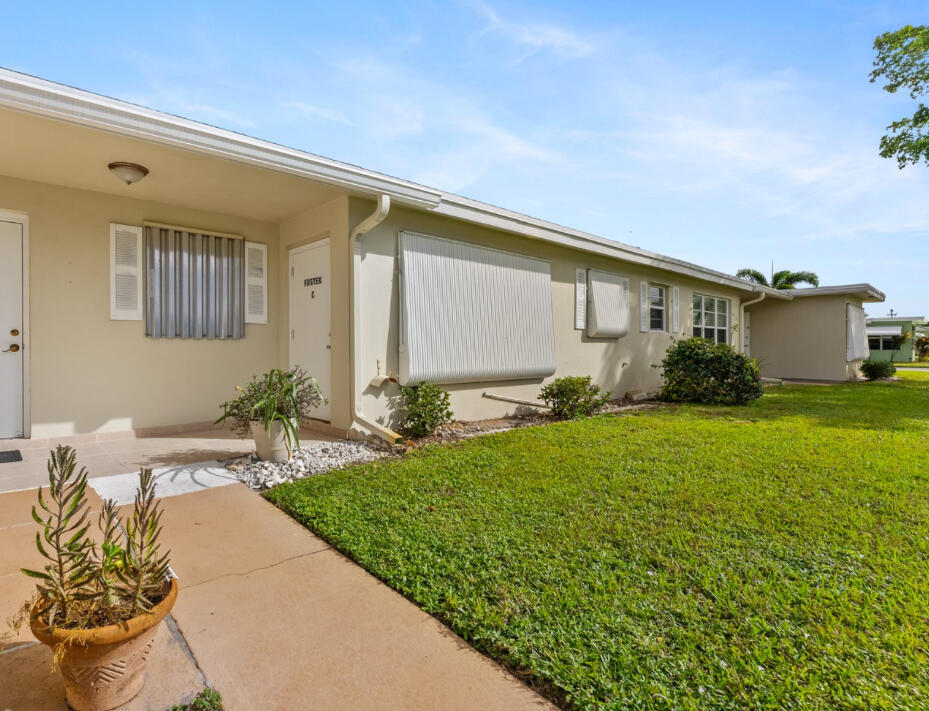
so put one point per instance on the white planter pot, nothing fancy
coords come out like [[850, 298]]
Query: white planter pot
[[273, 448]]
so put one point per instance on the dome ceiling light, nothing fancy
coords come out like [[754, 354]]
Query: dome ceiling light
[[129, 173]]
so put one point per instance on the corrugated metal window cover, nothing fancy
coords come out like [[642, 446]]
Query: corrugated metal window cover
[[608, 299], [856, 337], [472, 314], [195, 286]]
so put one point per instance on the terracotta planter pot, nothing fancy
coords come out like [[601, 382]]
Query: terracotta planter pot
[[273, 448], [105, 667]]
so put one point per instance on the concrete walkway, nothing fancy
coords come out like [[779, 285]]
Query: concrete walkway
[[277, 619], [274, 619]]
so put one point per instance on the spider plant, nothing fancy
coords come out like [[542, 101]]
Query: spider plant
[[282, 396]]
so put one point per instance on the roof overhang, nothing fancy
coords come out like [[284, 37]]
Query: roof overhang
[[884, 330], [865, 292], [915, 320], [39, 97], [36, 96]]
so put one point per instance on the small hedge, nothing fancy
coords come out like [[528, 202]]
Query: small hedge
[[877, 369], [573, 397], [427, 408], [698, 370]]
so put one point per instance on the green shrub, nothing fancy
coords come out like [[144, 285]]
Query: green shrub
[[697, 370], [573, 397], [877, 369], [427, 408]]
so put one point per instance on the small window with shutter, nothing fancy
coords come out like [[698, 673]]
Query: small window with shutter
[[256, 283], [125, 272]]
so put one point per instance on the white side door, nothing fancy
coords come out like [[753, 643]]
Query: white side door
[[310, 314], [11, 330]]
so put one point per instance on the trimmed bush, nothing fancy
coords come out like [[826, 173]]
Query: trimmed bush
[[877, 369], [427, 408], [573, 397], [698, 370]]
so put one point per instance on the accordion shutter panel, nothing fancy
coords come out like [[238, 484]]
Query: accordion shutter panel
[[256, 283], [125, 273], [608, 305], [472, 314], [196, 284], [643, 307]]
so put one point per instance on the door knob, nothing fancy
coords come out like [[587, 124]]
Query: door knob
[[12, 349]]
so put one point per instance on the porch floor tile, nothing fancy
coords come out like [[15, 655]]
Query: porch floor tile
[[124, 455]]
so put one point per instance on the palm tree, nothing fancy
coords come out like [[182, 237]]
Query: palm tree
[[784, 279]]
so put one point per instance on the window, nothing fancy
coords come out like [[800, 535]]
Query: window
[[711, 318], [890, 343], [874, 343], [657, 308], [202, 285]]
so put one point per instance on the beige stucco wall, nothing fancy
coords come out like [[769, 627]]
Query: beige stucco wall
[[91, 374], [326, 221], [803, 338], [618, 365]]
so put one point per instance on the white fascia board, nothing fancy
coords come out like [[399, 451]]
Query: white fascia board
[[21, 92], [473, 211], [865, 291]]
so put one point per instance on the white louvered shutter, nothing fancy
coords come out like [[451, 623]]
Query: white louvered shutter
[[643, 307], [676, 306], [256, 283], [125, 272], [580, 299]]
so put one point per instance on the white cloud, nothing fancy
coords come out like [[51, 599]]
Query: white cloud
[[532, 37], [312, 111]]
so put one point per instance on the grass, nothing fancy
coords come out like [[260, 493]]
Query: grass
[[768, 556], [913, 364]]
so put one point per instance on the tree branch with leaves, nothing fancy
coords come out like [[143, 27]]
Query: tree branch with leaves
[[903, 63]]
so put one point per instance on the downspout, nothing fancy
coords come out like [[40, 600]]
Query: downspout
[[354, 319], [742, 306]]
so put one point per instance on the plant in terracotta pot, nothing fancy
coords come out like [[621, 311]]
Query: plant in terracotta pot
[[98, 605], [270, 407]]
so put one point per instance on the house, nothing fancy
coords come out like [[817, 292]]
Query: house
[[149, 263], [819, 334], [894, 338]]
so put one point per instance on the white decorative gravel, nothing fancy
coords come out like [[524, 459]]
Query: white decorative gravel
[[308, 460]]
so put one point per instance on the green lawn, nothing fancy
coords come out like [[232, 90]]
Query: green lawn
[[913, 364], [768, 556]]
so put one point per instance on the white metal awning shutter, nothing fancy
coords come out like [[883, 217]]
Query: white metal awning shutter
[[608, 304], [856, 339], [472, 314]]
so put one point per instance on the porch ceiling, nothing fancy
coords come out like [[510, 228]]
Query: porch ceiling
[[49, 151]]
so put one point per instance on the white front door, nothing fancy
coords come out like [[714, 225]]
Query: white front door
[[310, 293], [11, 329]]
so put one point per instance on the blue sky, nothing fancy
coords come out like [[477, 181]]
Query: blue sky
[[728, 134]]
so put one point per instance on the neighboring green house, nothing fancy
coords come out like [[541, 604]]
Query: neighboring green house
[[893, 338]]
